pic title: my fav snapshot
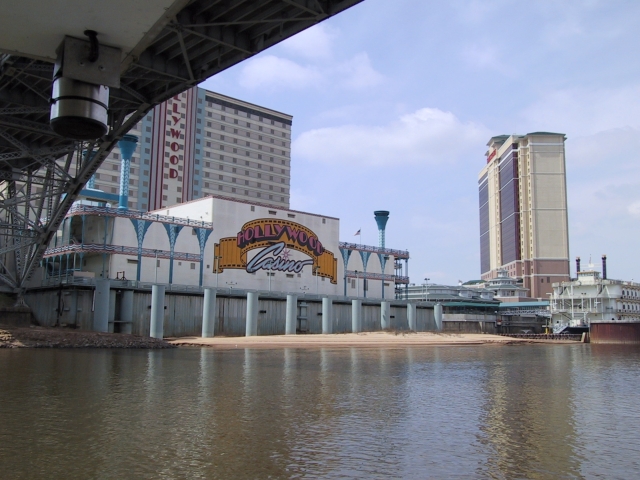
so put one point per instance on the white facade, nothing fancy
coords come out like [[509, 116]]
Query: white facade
[[247, 264], [219, 242], [591, 299]]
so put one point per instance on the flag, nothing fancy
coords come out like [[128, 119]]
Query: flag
[[358, 232]]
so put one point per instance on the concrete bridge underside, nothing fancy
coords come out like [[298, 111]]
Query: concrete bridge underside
[[41, 173]]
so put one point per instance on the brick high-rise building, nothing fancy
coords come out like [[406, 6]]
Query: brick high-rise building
[[523, 210], [201, 143]]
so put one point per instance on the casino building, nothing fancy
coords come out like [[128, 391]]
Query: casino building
[[523, 211], [219, 242]]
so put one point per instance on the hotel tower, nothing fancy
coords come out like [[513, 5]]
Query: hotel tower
[[200, 143], [523, 210]]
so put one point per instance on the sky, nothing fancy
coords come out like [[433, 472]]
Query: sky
[[393, 103]]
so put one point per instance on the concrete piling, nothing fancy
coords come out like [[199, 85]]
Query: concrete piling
[[356, 316], [209, 313], [252, 314], [411, 316], [385, 315], [437, 314], [101, 305], [327, 312], [157, 311], [126, 311], [291, 315]]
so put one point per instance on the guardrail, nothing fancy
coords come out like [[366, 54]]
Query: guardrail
[[137, 214], [110, 249], [372, 249], [377, 276]]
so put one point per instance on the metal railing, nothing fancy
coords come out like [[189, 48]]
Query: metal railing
[[377, 276], [137, 214], [372, 249], [112, 249]]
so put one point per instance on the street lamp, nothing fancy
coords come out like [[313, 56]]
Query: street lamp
[[426, 289]]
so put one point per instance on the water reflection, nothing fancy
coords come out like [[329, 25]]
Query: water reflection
[[476, 412]]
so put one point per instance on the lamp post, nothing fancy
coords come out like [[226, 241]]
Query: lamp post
[[216, 264], [426, 289]]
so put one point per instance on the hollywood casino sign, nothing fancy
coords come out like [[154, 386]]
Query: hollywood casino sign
[[275, 240]]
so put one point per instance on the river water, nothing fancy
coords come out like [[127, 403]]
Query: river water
[[536, 411]]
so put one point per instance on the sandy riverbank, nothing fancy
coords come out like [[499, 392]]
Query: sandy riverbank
[[369, 339], [40, 337]]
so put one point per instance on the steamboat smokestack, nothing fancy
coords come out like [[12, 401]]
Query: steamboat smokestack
[[604, 267], [577, 265]]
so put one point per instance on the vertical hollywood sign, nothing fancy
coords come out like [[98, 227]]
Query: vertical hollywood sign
[[174, 117]]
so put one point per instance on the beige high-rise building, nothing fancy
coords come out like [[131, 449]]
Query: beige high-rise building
[[201, 143], [523, 210]]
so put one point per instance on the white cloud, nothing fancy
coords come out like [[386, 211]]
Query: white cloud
[[314, 43], [634, 209], [357, 73], [585, 111], [477, 11], [619, 145], [276, 73], [427, 136], [270, 71]]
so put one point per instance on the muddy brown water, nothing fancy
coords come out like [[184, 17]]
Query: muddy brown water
[[529, 411]]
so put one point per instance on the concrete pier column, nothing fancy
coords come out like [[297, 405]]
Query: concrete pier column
[[208, 312], [356, 315], [437, 315], [385, 315], [252, 314], [412, 317], [292, 315], [157, 311], [327, 313], [126, 311], [112, 310], [101, 305]]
